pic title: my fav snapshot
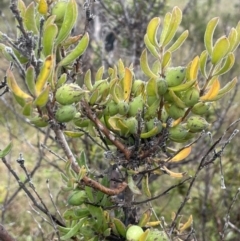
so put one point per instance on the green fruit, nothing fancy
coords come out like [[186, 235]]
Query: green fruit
[[175, 112], [152, 110], [164, 115], [175, 75], [137, 87], [59, 10], [69, 94], [111, 108], [123, 107], [136, 105], [191, 97], [132, 125], [162, 86], [178, 133], [200, 108], [39, 121], [197, 124], [157, 235], [77, 198], [133, 233], [65, 113], [152, 123]]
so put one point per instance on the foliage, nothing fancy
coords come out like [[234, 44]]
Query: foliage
[[142, 126]]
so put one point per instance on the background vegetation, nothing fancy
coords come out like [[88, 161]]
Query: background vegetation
[[116, 32]]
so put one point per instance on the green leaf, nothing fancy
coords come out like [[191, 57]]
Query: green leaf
[[177, 44], [6, 150], [74, 230], [203, 63], [220, 49], [152, 49], [238, 37], [228, 64], [133, 187], [76, 52], [166, 59], [166, 23], [30, 18], [144, 65], [173, 25], [99, 74], [69, 21], [152, 30], [49, 36], [208, 36], [233, 38]]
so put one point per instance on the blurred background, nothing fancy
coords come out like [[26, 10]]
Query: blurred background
[[117, 29]]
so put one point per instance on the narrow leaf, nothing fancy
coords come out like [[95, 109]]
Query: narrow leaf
[[203, 63], [228, 64], [144, 65], [208, 36], [6, 150], [220, 49], [152, 30], [177, 44], [181, 155]]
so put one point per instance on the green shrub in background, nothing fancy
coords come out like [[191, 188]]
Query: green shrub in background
[[143, 126]]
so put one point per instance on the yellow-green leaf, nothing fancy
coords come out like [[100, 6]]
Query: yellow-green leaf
[[166, 60], [99, 74], [152, 49], [228, 64], [43, 97], [238, 37], [144, 65], [73, 134], [177, 44], [30, 19], [6, 150], [121, 69], [233, 38], [173, 26], [220, 50], [44, 74], [49, 36], [193, 72], [208, 36], [70, 18], [203, 63], [166, 23], [152, 30]]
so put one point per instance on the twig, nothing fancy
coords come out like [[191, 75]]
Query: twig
[[163, 193], [54, 153], [29, 194], [203, 164], [94, 140], [4, 235], [227, 218]]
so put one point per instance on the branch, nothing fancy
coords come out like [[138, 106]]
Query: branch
[[89, 113], [4, 235], [86, 180]]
